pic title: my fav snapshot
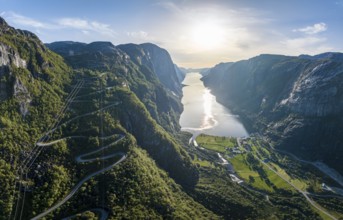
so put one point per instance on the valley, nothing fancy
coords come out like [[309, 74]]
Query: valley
[[103, 131], [253, 164]]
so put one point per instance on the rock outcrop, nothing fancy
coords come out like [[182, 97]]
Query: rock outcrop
[[8, 57]]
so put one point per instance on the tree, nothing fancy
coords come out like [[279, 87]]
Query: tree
[[251, 179]]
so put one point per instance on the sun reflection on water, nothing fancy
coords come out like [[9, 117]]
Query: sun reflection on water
[[208, 120]]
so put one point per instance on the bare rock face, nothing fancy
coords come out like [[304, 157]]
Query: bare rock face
[[10, 61], [9, 57], [23, 95], [24, 60], [318, 90]]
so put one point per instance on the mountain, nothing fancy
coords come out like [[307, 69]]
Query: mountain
[[90, 126], [294, 101], [157, 60], [99, 55], [164, 107], [162, 103], [145, 186], [92, 132]]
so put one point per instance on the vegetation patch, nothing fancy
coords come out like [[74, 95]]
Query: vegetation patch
[[215, 143]]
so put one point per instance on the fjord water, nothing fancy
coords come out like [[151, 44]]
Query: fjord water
[[203, 114]]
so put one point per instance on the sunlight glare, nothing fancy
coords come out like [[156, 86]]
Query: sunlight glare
[[207, 35], [208, 120]]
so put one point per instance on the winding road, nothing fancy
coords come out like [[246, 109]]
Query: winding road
[[74, 190], [83, 158], [103, 214], [80, 159], [27, 162], [80, 116], [320, 166], [304, 193]]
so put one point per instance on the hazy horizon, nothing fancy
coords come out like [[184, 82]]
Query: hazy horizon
[[197, 34]]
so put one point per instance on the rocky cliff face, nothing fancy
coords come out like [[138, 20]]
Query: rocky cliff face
[[8, 57], [296, 101], [318, 90], [24, 59], [156, 59]]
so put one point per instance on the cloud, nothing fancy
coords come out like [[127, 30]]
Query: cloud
[[305, 41], [85, 26], [309, 44], [18, 19], [138, 34], [170, 6], [314, 29]]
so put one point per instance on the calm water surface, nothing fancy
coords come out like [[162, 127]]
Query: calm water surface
[[203, 114]]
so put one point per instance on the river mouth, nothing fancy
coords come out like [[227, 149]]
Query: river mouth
[[203, 114]]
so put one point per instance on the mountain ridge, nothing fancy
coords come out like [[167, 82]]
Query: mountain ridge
[[295, 101]]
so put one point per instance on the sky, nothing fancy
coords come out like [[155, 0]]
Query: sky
[[197, 33]]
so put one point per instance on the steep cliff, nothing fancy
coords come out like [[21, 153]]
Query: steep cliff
[[296, 101], [180, 73], [156, 59]]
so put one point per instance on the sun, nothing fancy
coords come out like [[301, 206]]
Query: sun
[[207, 35]]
